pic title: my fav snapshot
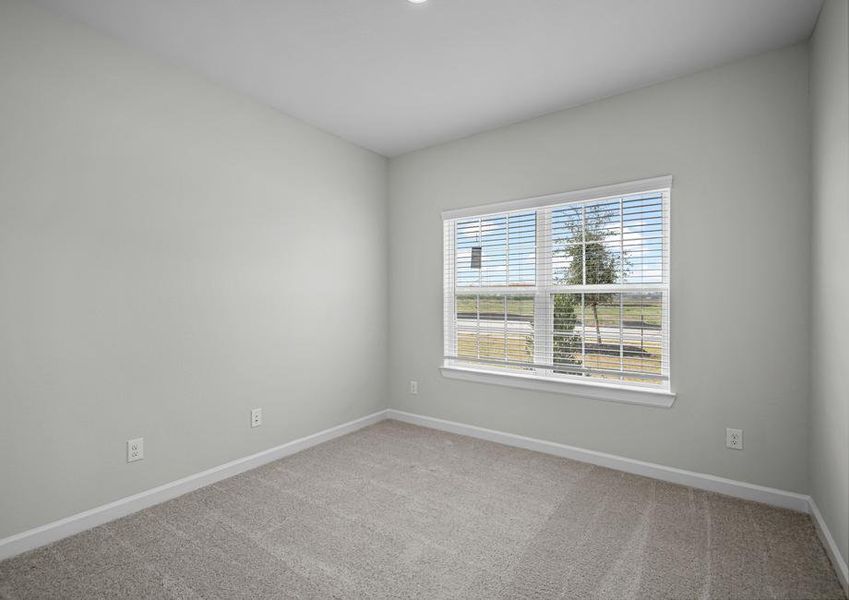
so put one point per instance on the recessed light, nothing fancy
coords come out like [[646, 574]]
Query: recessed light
[[416, 1]]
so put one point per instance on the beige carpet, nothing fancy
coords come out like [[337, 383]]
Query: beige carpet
[[397, 511]]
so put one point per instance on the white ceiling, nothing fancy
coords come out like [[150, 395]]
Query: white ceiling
[[393, 76]]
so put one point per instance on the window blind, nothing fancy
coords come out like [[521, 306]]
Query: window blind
[[567, 286]]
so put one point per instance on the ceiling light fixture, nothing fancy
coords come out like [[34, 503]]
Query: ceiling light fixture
[[417, 1]]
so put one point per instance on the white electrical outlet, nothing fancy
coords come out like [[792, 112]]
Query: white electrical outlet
[[135, 449], [414, 387], [256, 417], [734, 438]]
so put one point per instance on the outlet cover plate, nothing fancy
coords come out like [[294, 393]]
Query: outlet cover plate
[[135, 450], [256, 417], [734, 438]]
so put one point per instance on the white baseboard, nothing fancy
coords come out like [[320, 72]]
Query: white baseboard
[[702, 481], [51, 532], [830, 545]]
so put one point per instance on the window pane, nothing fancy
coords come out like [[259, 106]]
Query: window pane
[[602, 334], [567, 248], [587, 243], [643, 238], [467, 318], [568, 348], [602, 243], [494, 251], [506, 246], [642, 335], [467, 237], [521, 256], [609, 336], [495, 327], [609, 241]]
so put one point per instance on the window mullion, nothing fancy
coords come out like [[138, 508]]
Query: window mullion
[[506, 324], [583, 333], [449, 292], [584, 281], [543, 311], [621, 281], [478, 325], [621, 333], [480, 243], [584, 244], [507, 252]]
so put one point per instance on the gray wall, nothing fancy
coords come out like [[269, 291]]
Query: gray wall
[[829, 434], [171, 255], [736, 139]]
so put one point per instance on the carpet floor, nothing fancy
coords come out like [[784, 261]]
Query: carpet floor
[[398, 511]]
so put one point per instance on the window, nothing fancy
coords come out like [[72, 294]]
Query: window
[[571, 288]]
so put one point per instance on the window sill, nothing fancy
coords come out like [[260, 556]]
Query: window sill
[[596, 390]]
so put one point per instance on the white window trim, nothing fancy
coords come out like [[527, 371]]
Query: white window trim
[[543, 380]]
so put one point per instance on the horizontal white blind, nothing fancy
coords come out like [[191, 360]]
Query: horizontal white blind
[[578, 289]]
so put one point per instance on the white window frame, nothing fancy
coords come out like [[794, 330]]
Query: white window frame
[[543, 379]]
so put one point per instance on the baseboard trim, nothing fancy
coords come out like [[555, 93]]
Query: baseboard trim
[[729, 487], [51, 532], [840, 566]]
